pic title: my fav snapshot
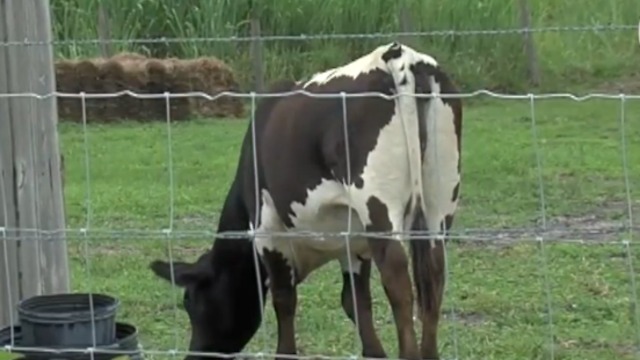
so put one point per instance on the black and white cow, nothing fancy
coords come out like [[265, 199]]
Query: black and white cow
[[405, 174]]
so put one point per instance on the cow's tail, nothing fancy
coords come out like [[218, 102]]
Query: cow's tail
[[428, 264], [422, 267], [424, 263]]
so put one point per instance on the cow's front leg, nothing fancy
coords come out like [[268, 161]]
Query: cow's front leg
[[284, 297], [371, 346]]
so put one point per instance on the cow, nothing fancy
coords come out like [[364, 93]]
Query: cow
[[397, 168]]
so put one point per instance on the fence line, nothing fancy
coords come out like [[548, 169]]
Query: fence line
[[466, 234], [250, 95], [307, 37]]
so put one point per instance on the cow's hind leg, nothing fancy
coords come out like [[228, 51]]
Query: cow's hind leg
[[393, 265], [429, 270], [371, 346]]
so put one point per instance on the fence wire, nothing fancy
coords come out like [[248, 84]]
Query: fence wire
[[542, 236], [331, 36]]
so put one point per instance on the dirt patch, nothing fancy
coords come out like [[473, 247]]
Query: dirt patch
[[627, 84], [469, 318], [586, 344], [602, 224]]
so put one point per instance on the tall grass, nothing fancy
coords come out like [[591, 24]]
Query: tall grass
[[478, 61]]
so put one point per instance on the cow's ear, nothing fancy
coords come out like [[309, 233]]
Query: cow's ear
[[184, 273]]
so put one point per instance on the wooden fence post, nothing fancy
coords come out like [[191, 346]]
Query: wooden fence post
[[104, 30], [533, 68], [406, 23], [30, 178], [257, 48]]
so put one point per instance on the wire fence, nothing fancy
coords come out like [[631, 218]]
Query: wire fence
[[616, 237]]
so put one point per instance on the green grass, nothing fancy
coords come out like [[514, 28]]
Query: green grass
[[480, 61], [497, 293]]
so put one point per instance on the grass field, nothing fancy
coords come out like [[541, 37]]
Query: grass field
[[499, 295]]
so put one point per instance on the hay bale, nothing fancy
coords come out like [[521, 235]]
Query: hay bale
[[87, 77], [137, 73], [212, 76], [66, 71]]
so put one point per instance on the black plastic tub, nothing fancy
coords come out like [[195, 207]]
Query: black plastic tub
[[126, 344], [65, 320]]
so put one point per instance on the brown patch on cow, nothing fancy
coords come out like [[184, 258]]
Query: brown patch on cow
[[454, 194], [394, 52]]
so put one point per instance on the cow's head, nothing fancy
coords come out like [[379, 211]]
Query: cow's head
[[223, 312]]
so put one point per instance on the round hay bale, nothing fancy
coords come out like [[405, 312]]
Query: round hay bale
[[135, 80], [137, 73], [88, 73], [183, 81], [67, 82], [162, 79], [111, 76], [157, 79], [212, 76]]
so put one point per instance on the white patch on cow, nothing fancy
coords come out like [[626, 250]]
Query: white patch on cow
[[440, 168], [324, 211], [365, 64]]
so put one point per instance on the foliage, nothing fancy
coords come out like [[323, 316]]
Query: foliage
[[479, 61]]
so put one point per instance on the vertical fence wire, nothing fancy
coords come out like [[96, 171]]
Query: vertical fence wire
[[170, 161], [625, 164], [38, 236], [169, 231], [633, 301], [84, 231], [447, 289], [543, 213], [256, 222], [347, 147], [5, 249]]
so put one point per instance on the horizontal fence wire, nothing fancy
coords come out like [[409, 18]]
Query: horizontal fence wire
[[243, 355], [308, 37], [577, 235], [250, 95]]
